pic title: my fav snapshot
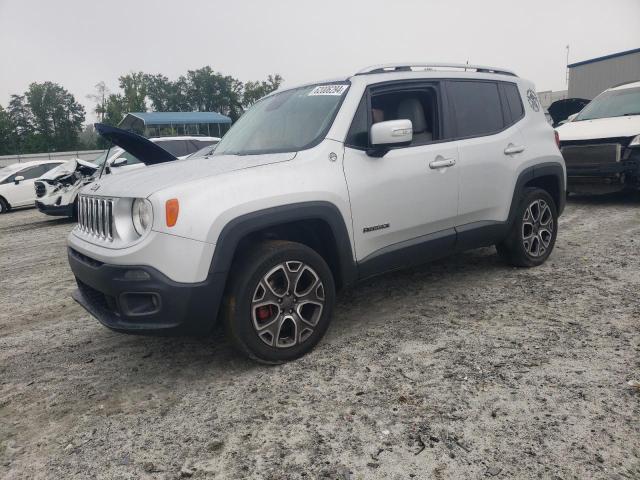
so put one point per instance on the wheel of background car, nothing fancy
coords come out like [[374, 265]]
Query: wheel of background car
[[4, 206], [533, 233], [280, 301]]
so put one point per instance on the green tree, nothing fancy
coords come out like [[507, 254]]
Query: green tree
[[254, 91], [100, 99], [166, 95], [7, 146], [209, 91], [134, 92], [57, 117], [21, 121]]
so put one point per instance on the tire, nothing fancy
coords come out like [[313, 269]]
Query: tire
[[4, 206], [533, 232], [264, 322]]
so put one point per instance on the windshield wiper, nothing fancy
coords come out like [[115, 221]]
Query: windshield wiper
[[630, 114]]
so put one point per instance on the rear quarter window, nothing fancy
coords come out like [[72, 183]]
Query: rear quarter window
[[477, 109], [514, 101]]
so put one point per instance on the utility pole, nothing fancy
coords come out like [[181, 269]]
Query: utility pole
[[567, 68]]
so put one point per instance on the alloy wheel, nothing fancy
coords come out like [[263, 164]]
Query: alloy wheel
[[287, 304], [537, 228]]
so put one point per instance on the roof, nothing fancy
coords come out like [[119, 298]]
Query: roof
[[408, 66], [606, 57], [175, 118], [626, 85]]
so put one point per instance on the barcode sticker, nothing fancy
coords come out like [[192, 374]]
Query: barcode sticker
[[328, 90]]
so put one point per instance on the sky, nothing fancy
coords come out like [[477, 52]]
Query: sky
[[78, 43]]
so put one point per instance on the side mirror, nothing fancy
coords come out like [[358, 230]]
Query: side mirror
[[18, 179], [118, 162], [392, 133]]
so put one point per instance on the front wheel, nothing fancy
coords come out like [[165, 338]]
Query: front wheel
[[533, 233], [4, 206], [280, 301]]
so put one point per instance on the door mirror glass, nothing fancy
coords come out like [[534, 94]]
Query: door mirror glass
[[392, 133], [18, 179]]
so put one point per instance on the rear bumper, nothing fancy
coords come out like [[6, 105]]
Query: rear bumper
[[55, 210], [140, 299]]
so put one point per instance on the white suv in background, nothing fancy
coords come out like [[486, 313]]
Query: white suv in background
[[16, 182], [601, 144], [315, 188]]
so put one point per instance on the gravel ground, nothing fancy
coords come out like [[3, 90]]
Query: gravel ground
[[465, 368]]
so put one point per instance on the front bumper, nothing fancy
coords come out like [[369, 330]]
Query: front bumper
[[140, 299], [55, 210]]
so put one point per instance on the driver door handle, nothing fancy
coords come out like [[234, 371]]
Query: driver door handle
[[442, 163], [513, 149]]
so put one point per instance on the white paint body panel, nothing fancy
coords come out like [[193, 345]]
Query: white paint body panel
[[401, 190]]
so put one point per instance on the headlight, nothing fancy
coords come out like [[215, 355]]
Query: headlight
[[635, 141], [142, 215]]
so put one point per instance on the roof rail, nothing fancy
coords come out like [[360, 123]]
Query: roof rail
[[408, 67]]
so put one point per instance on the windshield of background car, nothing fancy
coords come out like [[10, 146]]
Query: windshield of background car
[[284, 122], [10, 169], [113, 154], [614, 103], [203, 152]]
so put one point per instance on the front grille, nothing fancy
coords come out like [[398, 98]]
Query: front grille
[[586, 155], [95, 216], [40, 189], [624, 141]]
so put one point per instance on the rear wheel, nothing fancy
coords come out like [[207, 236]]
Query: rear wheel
[[279, 302], [534, 230], [4, 206]]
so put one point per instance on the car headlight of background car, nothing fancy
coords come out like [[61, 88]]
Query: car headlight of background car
[[142, 215], [635, 141]]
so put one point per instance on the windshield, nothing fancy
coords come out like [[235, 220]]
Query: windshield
[[284, 122], [614, 103]]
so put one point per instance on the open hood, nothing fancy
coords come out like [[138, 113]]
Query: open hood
[[67, 168], [561, 109], [609, 127], [143, 149]]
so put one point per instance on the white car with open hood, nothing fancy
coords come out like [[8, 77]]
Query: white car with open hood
[[601, 145], [315, 188], [57, 191]]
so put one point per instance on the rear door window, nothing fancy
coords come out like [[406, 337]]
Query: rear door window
[[476, 107]]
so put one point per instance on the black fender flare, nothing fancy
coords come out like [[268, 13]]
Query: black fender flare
[[238, 228], [553, 169]]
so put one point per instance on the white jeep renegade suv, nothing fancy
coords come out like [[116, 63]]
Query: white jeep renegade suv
[[313, 189]]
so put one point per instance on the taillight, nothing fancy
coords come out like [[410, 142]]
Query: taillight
[[172, 208], [557, 138]]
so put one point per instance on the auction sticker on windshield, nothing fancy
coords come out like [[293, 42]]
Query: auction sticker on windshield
[[329, 90]]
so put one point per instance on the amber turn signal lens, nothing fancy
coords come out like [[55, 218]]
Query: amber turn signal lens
[[172, 208]]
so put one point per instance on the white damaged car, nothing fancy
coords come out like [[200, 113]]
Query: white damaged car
[[601, 144], [57, 190]]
